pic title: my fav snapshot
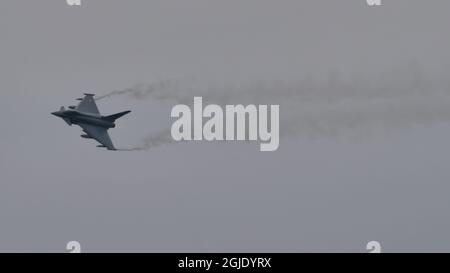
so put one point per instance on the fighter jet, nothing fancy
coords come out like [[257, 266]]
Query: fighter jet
[[87, 116]]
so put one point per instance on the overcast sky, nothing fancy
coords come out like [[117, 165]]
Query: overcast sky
[[365, 118]]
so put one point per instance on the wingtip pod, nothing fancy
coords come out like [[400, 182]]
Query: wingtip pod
[[113, 118], [108, 148]]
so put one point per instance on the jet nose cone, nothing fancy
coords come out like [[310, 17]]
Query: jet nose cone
[[56, 114]]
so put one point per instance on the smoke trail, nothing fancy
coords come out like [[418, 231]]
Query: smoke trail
[[158, 90], [320, 107], [152, 141]]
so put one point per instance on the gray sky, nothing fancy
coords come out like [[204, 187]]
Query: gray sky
[[364, 115]]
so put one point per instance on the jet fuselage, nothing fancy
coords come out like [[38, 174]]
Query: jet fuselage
[[75, 117]]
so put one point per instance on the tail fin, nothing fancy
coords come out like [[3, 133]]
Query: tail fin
[[112, 118]]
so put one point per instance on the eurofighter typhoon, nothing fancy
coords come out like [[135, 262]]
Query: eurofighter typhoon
[[87, 116]]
